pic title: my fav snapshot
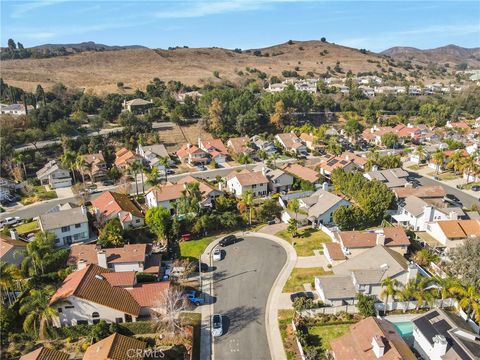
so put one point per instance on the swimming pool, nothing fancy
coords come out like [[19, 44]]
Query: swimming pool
[[405, 329]]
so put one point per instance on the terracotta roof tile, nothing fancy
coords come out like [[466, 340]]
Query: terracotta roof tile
[[394, 236], [421, 192], [459, 229], [116, 347], [302, 172], [334, 251], [111, 203], [150, 295], [44, 353], [7, 244], [90, 285], [126, 253]]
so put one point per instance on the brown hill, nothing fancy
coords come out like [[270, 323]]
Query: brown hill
[[451, 54], [100, 71]]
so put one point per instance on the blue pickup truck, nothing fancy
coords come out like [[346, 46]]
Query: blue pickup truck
[[194, 297]]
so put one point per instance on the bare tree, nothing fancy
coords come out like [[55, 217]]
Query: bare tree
[[187, 266], [173, 303]]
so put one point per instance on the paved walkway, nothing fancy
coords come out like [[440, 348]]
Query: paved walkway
[[317, 260]]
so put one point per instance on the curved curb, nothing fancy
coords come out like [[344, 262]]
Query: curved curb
[[275, 343]]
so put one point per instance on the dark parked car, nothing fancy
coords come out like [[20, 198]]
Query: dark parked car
[[302, 294], [107, 182], [452, 199], [476, 187], [228, 240]]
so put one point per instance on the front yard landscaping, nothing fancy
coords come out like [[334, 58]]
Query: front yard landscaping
[[285, 318], [446, 176], [38, 193], [300, 276], [328, 332], [27, 227], [193, 249], [306, 241]]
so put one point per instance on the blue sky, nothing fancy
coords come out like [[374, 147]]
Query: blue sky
[[374, 25]]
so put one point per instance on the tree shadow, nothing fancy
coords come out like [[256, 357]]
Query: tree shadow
[[236, 319], [220, 276]]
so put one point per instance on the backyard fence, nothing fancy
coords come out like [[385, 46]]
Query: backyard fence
[[330, 310], [411, 305], [299, 345]]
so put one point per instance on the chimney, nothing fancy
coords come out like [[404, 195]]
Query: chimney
[[84, 210], [412, 271], [188, 145], [325, 186], [453, 215], [378, 346], [375, 168], [264, 171], [380, 237], [102, 259], [439, 346], [14, 234], [81, 264], [428, 213]]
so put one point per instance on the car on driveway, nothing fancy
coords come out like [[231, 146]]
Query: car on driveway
[[217, 326], [194, 297], [228, 240], [302, 294], [217, 254], [452, 199], [476, 187]]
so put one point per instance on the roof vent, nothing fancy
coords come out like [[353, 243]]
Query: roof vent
[[384, 267], [99, 277]]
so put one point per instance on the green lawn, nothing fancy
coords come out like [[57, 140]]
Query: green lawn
[[300, 276], [445, 176], [27, 227], [284, 320], [328, 332], [39, 194], [306, 241]]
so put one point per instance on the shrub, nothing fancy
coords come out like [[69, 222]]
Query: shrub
[[366, 305]]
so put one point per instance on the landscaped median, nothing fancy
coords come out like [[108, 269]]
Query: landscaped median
[[306, 241]]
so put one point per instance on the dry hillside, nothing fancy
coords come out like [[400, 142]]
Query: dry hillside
[[101, 71]]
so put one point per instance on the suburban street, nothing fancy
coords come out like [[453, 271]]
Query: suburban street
[[242, 282], [466, 199]]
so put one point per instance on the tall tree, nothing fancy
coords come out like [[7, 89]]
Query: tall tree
[[438, 158], [389, 289], [215, 113], [277, 118], [9, 275], [159, 221], [246, 201], [468, 299], [37, 309], [68, 160]]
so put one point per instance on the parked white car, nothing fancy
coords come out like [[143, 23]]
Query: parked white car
[[217, 325], [10, 220], [217, 254]]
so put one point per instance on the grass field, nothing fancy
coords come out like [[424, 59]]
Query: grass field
[[27, 227], [300, 276], [306, 241], [328, 332]]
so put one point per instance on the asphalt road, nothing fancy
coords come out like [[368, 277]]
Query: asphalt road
[[242, 282], [466, 199]]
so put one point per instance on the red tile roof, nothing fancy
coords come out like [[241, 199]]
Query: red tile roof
[[125, 253], [394, 236], [116, 347], [44, 353], [123, 279], [7, 244], [302, 172], [150, 295], [335, 251], [123, 156], [89, 284], [111, 203]]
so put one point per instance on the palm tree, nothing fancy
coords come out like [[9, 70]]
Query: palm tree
[[247, 201], [389, 286], [421, 153], [68, 160], [470, 166], [443, 289], [19, 158], [438, 158], [37, 309], [80, 165], [455, 162], [190, 200], [164, 162], [422, 292], [134, 168], [274, 158], [404, 295], [262, 154], [469, 299], [9, 275], [294, 205]]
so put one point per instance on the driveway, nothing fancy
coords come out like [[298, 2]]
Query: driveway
[[273, 229], [242, 283]]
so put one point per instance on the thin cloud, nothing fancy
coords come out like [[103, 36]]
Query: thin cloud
[[23, 8]]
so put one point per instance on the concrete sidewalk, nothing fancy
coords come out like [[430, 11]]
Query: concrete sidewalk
[[317, 260]]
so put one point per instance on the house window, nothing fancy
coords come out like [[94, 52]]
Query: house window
[[137, 221], [82, 322], [95, 317], [78, 226], [69, 307], [254, 186], [78, 236], [128, 318], [59, 310], [67, 239], [65, 228], [118, 320]]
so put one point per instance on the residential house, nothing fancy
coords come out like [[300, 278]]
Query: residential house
[[355, 242], [152, 155], [367, 91], [416, 213], [392, 178], [302, 173], [95, 167], [425, 192], [116, 347], [452, 233], [370, 339], [129, 257], [359, 161], [278, 180], [317, 208], [264, 145], [329, 163], [374, 134], [15, 109], [364, 273], [239, 183], [124, 158], [44, 353], [138, 106], [334, 253], [167, 194], [239, 145], [447, 155], [110, 205], [407, 132], [55, 175], [192, 94], [215, 148], [309, 140], [193, 155], [458, 125], [292, 143], [69, 225], [443, 335], [87, 296], [309, 85], [279, 87], [11, 251]]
